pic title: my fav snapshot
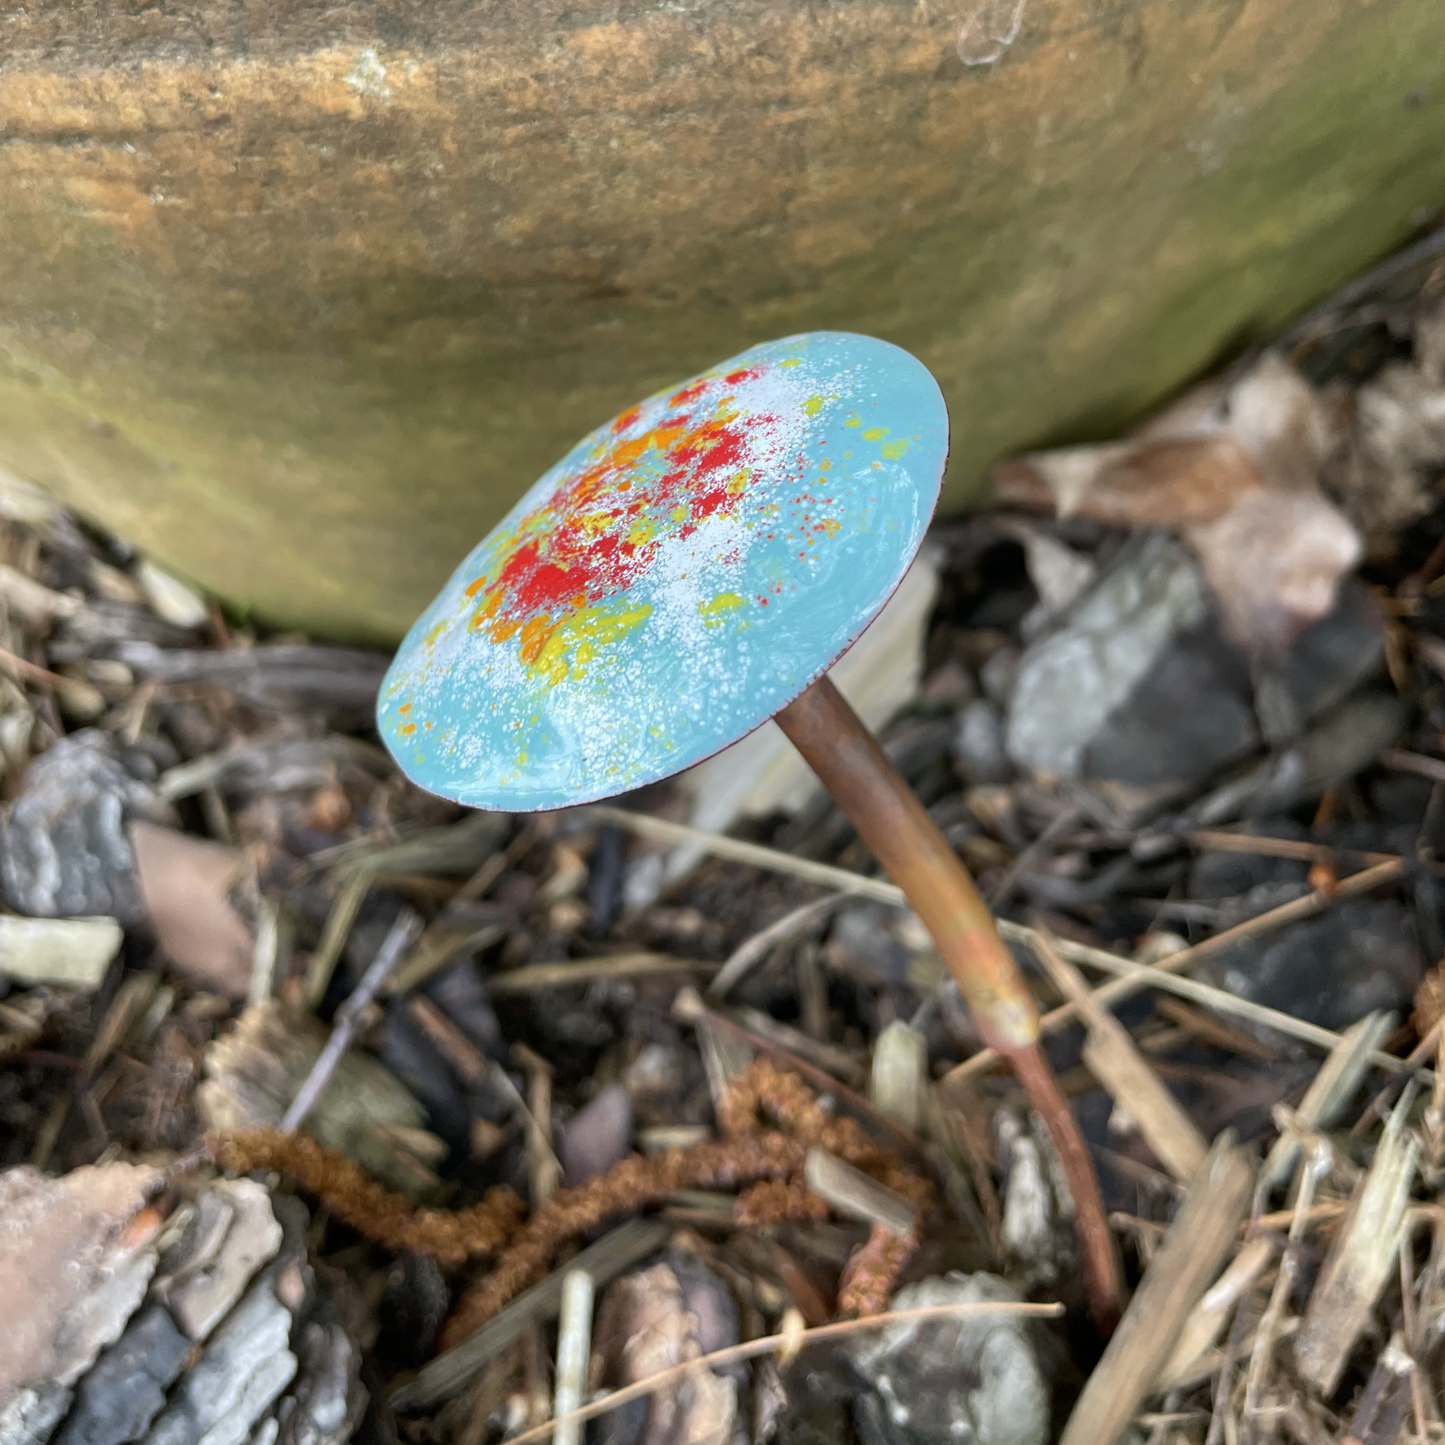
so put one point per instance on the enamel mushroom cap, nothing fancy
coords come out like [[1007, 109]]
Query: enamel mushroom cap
[[681, 575]]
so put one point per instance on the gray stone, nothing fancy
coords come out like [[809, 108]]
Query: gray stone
[[1186, 718], [248, 1361], [243, 1370], [1070, 682], [1139, 690], [63, 849], [1335, 749], [969, 1381]]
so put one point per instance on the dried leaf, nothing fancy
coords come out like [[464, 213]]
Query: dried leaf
[[1273, 562], [184, 881], [1429, 1002], [1237, 472], [1171, 482]]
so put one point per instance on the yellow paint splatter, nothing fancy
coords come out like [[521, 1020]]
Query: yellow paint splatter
[[893, 450], [875, 433], [555, 651], [739, 481], [723, 602], [854, 421], [815, 404], [792, 361]]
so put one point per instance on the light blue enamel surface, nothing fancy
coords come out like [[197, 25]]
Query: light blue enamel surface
[[678, 577]]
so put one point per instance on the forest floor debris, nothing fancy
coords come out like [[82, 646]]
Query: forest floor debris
[[706, 1103]]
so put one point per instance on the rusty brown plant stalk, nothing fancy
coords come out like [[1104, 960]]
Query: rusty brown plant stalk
[[769, 1119], [916, 856]]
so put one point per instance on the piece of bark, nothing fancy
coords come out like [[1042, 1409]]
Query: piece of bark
[[32, 1415], [63, 849], [117, 1400], [281, 678], [1207, 1319], [326, 1401], [1336, 1083], [1380, 1415], [76, 1254], [247, 1362], [645, 1326], [1202, 1234], [232, 1234]]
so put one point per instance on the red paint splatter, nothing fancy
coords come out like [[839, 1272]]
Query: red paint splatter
[[601, 530]]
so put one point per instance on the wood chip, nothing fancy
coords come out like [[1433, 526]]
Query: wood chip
[[898, 1084], [1361, 1258], [1207, 1319], [1113, 1059], [1201, 1235], [853, 1194], [66, 952], [533, 977], [1341, 1074], [184, 881]]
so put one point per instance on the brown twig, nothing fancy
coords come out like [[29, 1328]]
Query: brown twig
[[22, 668], [1260, 845], [1135, 976], [752, 950]]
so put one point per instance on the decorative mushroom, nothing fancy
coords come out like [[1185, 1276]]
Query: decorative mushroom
[[688, 571]]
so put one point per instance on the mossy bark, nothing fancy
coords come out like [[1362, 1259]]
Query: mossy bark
[[301, 297]]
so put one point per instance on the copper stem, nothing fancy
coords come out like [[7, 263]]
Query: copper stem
[[906, 841]]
